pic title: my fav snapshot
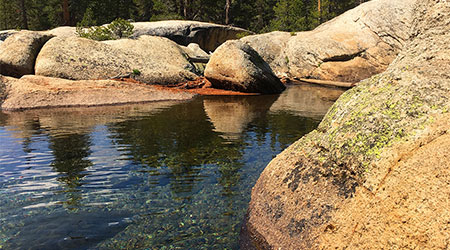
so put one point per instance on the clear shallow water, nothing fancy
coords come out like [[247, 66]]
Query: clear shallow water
[[153, 176]]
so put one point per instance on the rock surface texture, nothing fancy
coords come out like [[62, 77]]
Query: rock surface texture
[[6, 33], [154, 59], [30, 92], [375, 174], [236, 66], [356, 45], [269, 46], [19, 51], [208, 35]]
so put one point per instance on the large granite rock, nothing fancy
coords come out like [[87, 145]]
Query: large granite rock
[[208, 35], [269, 46], [354, 46], [158, 60], [19, 51], [31, 91], [5, 85], [6, 33], [375, 174], [63, 31], [236, 66]]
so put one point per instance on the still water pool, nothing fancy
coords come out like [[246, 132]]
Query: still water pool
[[149, 176]]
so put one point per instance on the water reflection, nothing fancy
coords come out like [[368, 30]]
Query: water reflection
[[71, 152], [143, 176], [307, 100], [231, 115]]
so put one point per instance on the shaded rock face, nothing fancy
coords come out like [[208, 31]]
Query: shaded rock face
[[158, 60], [352, 47], [19, 51], [208, 35], [236, 66], [31, 91], [375, 173]]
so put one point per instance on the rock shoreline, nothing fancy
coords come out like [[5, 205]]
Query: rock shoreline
[[374, 174], [152, 56]]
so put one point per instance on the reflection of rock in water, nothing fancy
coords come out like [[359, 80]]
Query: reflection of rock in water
[[230, 115], [307, 100], [76, 120]]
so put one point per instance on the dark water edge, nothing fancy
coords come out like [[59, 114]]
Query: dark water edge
[[148, 176]]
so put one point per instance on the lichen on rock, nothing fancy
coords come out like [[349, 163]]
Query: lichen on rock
[[333, 187]]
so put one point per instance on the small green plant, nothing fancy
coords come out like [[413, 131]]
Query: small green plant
[[293, 33], [136, 72], [117, 29], [242, 34]]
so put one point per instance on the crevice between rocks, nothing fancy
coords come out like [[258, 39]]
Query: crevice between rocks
[[344, 58]]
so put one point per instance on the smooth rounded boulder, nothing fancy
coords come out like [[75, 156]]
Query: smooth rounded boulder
[[19, 51], [153, 60], [237, 66]]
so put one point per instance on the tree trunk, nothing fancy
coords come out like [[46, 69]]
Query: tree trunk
[[227, 11], [66, 12], [24, 14]]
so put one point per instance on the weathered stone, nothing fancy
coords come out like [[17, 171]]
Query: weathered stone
[[154, 59], [354, 46], [374, 174], [5, 84], [269, 46], [197, 51], [63, 31], [31, 91], [236, 66], [18, 52], [208, 35], [6, 33]]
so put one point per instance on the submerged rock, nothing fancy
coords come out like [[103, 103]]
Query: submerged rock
[[236, 66], [151, 60], [19, 51], [375, 173]]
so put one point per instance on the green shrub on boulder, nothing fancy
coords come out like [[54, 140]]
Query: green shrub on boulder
[[117, 29]]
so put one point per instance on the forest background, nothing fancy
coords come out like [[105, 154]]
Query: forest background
[[256, 15]]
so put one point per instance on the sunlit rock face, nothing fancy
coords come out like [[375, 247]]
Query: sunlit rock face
[[351, 47], [375, 172], [158, 60], [32, 91], [237, 66], [19, 51]]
